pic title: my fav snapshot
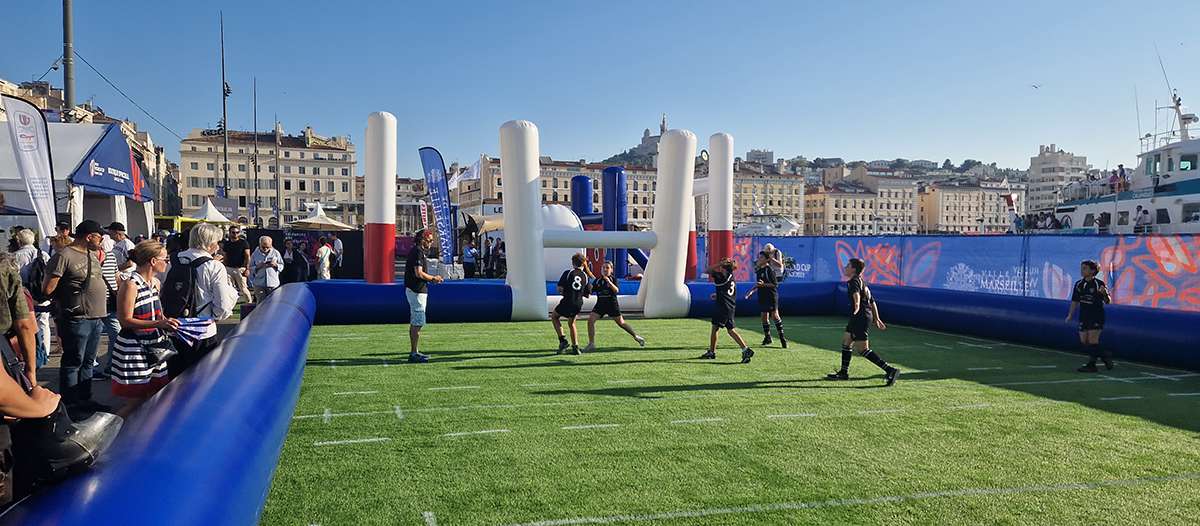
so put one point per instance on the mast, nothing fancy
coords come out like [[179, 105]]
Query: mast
[[225, 91], [254, 106], [68, 59]]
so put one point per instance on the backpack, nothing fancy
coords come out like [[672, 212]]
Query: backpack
[[37, 276], [179, 289]]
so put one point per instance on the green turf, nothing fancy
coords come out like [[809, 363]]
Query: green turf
[[766, 443]]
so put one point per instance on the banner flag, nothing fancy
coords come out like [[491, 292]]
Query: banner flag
[[439, 194], [471, 173], [31, 148]]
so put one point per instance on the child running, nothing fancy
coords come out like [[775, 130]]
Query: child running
[[767, 287], [726, 298], [1089, 296], [573, 286], [605, 288], [863, 312]]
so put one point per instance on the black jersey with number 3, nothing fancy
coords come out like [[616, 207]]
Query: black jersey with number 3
[[573, 283], [726, 291]]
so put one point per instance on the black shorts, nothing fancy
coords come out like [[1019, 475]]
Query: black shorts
[[859, 328], [1091, 322], [567, 310], [607, 308], [723, 319], [768, 303]]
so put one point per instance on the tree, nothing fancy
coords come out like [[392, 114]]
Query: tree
[[947, 165], [899, 164], [967, 165]]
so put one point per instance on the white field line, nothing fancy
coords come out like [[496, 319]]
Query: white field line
[[971, 406], [1042, 366], [479, 407], [484, 432], [454, 388], [590, 426], [326, 416], [354, 441], [984, 368], [430, 518], [541, 385], [1111, 398], [346, 393], [864, 501], [1183, 394], [879, 411], [918, 371], [976, 345], [699, 420], [793, 415], [1126, 380], [1161, 377], [939, 346], [623, 381]]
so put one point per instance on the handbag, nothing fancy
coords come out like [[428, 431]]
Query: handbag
[[158, 350]]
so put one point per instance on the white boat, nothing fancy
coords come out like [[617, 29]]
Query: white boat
[[763, 224], [1166, 183]]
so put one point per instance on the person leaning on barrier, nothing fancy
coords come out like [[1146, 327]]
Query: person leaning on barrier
[[197, 286], [44, 443]]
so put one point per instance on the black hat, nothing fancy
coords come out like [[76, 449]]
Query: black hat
[[116, 227], [61, 225], [88, 227]]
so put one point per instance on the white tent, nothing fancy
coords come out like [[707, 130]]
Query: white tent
[[319, 221], [209, 213]]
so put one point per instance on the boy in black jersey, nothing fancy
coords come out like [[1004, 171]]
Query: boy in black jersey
[[1089, 296], [767, 287], [863, 313], [605, 288], [573, 286], [726, 298]]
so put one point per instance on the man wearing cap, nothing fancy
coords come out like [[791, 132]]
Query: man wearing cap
[[121, 244], [74, 280], [416, 291], [62, 237]]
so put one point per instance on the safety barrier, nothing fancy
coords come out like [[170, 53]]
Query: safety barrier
[[203, 450]]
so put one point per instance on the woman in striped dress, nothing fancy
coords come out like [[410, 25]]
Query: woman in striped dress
[[135, 375]]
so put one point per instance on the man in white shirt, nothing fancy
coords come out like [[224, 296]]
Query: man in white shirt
[[121, 245], [214, 296], [339, 250], [265, 264], [324, 258]]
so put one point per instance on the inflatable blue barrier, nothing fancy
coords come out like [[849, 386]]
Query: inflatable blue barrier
[[202, 451], [357, 302], [1133, 333]]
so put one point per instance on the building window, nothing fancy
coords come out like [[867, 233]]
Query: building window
[[287, 184], [329, 171], [241, 150], [287, 203], [303, 185], [328, 185], [345, 187], [193, 148], [287, 154], [194, 182], [345, 171], [301, 155], [241, 200], [210, 148], [195, 166], [301, 170], [194, 200], [241, 167], [212, 166], [271, 168], [210, 182], [500, 195], [287, 169]]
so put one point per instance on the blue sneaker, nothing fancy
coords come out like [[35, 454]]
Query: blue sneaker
[[417, 357]]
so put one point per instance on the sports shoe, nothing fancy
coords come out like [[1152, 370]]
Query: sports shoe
[[747, 354], [1088, 368], [1108, 364], [767, 340], [892, 374], [417, 357], [838, 375], [591, 347], [710, 355], [562, 346], [782, 343], [575, 350], [640, 340]]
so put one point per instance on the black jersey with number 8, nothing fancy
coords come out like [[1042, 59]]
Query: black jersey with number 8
[[574, 285]]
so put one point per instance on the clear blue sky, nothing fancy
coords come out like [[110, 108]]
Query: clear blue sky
[[859, 80]]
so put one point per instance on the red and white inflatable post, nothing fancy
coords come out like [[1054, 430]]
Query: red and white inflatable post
[[379, 237], [720, 197]]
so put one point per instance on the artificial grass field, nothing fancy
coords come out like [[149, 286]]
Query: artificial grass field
[[497, 429]]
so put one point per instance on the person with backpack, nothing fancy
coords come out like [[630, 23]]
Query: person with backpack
[[197, 286], [32, 263]]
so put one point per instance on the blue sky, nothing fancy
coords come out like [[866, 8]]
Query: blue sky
[[859, 80]]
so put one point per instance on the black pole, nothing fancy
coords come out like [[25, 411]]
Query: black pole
[[254, 107], [68, 60], [224, 111]]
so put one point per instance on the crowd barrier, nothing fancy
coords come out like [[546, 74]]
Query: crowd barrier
[[202, 451], [1159, 271]]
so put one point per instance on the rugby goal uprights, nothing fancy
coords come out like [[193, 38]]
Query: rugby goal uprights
[[662, 293]]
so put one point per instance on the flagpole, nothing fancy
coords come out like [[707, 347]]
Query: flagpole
[[224, 109], [254, 105]]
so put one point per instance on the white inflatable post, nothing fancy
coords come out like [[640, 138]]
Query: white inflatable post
[[523, 219], [663, 293]]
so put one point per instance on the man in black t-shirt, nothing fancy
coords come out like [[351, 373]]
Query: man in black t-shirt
[[573, 286], [863, 312], [1089, 296], [237, 256], [605, 288], [726, 309], [417, 291], [767, 286]]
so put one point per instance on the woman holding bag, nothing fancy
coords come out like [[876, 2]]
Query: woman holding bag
[[139, 366]]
